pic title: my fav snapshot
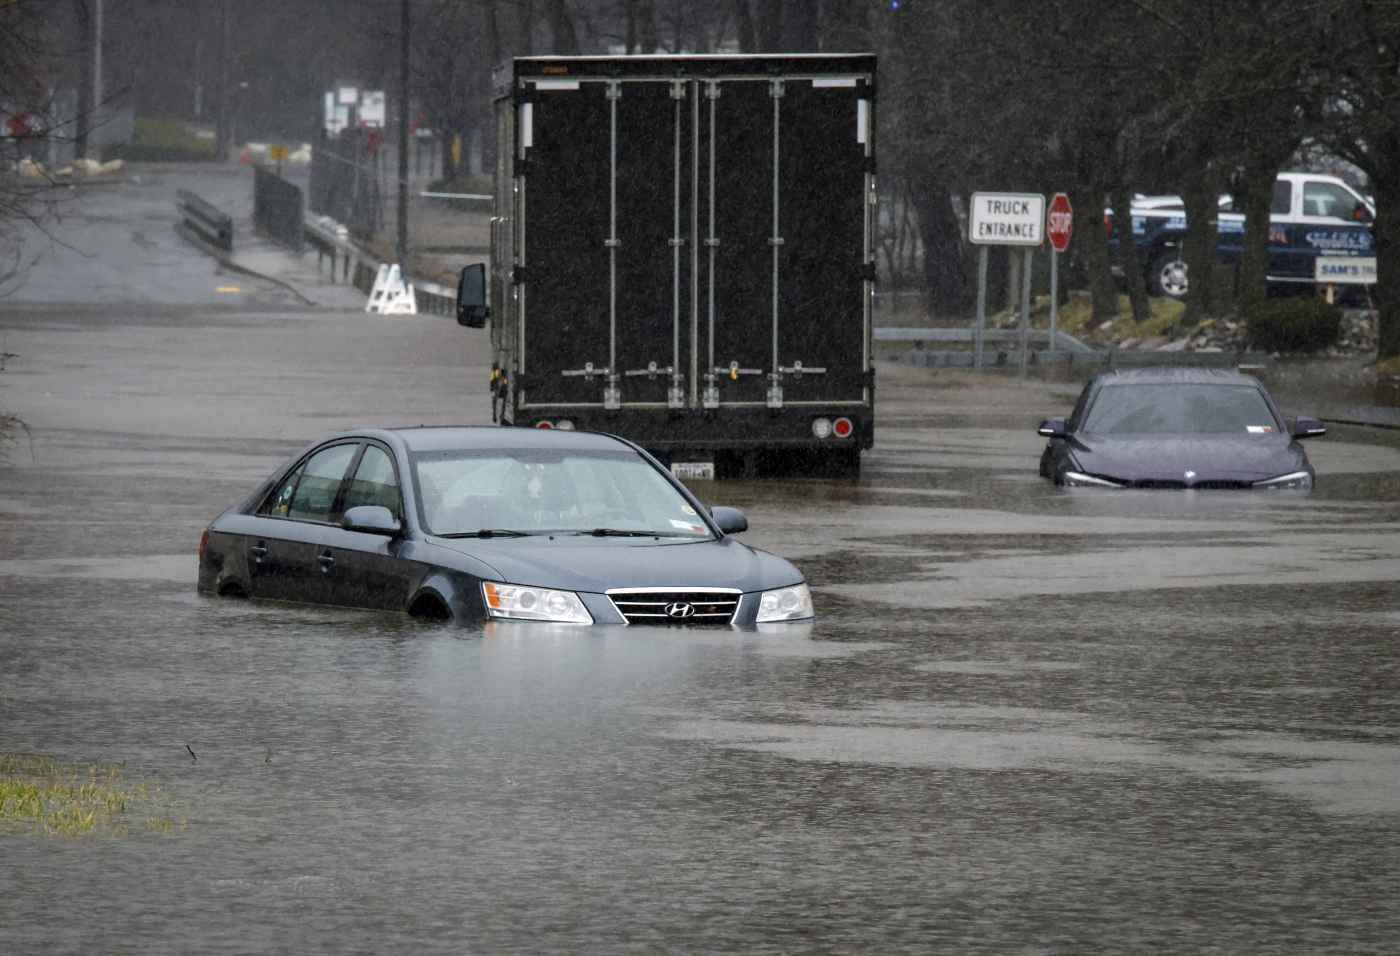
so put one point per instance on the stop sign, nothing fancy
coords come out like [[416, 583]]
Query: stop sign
[[1060, 222]]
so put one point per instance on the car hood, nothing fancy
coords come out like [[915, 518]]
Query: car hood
[[599, 564], [1170, 457]]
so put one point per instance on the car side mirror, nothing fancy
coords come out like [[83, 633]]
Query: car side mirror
[[729, 520], [1052, 428], [371, 519], [472, 310], [1308, 428]]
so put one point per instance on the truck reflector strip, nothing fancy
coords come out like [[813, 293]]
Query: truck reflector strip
[[829, 81], [556, 84]]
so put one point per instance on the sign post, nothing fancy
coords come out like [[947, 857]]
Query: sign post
[[1005, 219], [1059, 226]]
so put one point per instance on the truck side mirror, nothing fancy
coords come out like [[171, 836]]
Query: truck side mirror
[[472, 310]]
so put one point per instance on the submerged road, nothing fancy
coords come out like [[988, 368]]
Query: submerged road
[[1027, 720]]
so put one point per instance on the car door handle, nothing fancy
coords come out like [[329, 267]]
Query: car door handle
[[257, 552], [326, 561]]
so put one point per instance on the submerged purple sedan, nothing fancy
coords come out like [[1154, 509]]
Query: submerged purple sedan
[[1177, 428]]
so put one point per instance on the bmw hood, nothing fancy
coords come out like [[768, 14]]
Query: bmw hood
[[593, 564], [1189, 459]]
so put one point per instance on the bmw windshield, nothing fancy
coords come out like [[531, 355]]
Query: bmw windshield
[[504, 492], [1180, 409]]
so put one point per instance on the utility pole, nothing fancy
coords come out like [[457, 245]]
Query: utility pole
[[401, 244], [221, 135]]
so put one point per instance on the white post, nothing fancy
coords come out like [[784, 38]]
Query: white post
[[1054, 293], [1025, 310], [981, 306]]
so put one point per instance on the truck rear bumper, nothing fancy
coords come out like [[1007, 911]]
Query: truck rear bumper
[[670, 435]]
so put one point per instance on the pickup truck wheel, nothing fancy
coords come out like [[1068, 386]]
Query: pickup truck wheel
[[1167, 276]]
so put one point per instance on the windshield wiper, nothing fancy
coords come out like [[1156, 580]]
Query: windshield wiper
[[615, 533], [490, 533]]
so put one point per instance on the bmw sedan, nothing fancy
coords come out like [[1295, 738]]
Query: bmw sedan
[[496, 523], [1177, 428]]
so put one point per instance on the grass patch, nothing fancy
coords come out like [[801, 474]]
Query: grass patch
[[157, 139], [1076, 315], [38, 794], [1390, 366]]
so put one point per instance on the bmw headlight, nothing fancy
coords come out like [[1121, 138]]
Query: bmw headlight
[[1294, 481], [1075, 479], [785, 604], [534, 604]]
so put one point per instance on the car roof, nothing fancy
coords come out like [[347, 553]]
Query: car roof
[[1177, 376], [496, 436]]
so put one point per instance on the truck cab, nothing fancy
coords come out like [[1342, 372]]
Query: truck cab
[[1312, 215]]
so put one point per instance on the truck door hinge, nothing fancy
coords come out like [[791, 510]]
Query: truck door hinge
[[678, 89], [776, 89]]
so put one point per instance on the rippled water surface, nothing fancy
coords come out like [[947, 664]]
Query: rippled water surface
[[1026, 721]]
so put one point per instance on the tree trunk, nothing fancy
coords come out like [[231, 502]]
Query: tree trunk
[[1386, 233], [1092, 239], [1255, 196], [1134, 272], [647, 31], [561, 29], [801, 26], [1202, 248], [949, 283], [769, 17], [743, 23]]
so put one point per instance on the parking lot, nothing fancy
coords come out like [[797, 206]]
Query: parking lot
[[1026, 720]]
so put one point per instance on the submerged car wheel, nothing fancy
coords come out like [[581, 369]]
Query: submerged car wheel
[[1168, 276]]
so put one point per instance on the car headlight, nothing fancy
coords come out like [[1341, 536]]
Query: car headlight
[[1294, 481], [785, 604], [1075, 479], [534, 604]]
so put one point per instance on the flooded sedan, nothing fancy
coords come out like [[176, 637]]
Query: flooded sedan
[[1177, 428], [500, 523]]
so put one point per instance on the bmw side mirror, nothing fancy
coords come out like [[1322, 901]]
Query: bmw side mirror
[[1052, 428], [472, 310], [371, 519], [729, 520], [1308, 428]]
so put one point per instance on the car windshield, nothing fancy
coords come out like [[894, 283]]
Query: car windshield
[[531, 492], [1180, 409]]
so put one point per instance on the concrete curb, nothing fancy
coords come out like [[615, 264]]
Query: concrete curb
[[226, 262]]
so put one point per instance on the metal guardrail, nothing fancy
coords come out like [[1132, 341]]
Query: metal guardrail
[[206, 221], [1065, 342], [358, 267]]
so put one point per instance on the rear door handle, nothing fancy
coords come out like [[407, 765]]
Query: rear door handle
[[326, 561], [258, 551]]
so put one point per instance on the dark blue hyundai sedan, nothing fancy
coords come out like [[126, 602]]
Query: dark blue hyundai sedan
[[1177, 428], [496, 523]]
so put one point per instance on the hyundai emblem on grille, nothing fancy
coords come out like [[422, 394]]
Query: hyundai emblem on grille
[[679, 610]]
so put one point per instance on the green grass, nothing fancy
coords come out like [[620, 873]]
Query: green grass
[[38, 794]]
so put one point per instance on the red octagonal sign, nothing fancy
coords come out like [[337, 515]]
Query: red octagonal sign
[[1060, 222]]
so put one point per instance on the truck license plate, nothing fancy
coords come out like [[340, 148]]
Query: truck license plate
[[693, 470]]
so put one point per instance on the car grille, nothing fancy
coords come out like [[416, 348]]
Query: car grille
[[662, 605], [1181, 485]]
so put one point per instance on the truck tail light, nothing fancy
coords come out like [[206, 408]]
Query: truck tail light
[[842, 427], [544, 424], [564, 425], [821, 427]]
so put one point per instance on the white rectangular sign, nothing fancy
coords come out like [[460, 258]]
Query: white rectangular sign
[[1006, 219], [1346, 270], [372, 112]]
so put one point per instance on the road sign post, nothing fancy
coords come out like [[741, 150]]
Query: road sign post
[[1005, 219], [1059, 227]]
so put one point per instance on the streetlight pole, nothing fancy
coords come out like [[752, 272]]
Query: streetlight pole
[[401, 244]]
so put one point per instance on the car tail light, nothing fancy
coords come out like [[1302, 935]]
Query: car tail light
[[544, 424], [564, 425], [202, 542], [842, 427], [821, 427]]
